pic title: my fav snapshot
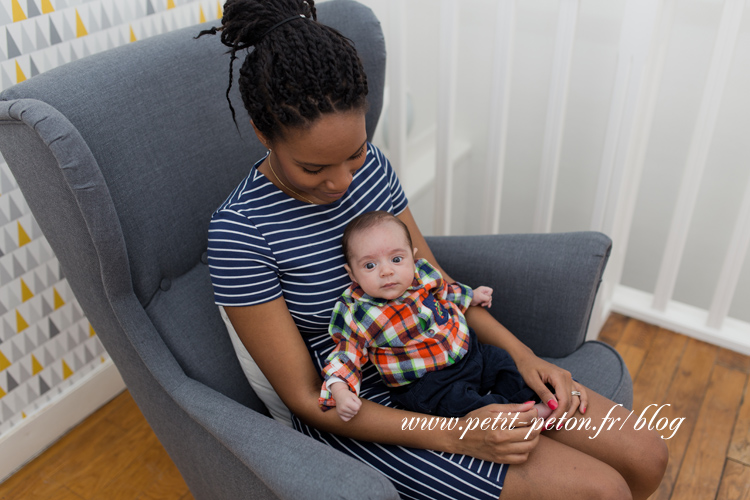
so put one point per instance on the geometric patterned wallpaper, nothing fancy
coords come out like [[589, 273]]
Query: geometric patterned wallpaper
[[46, 343]]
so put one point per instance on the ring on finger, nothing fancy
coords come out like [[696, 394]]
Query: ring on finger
[[575, 393]]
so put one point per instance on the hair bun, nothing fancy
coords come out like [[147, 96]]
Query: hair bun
[[246, 22]]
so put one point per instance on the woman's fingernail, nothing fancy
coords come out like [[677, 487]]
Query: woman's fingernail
[[583, 410], [527, 402], [552, 404]]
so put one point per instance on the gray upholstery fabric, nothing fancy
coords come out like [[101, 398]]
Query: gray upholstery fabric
[[123, 156], [544, 289]]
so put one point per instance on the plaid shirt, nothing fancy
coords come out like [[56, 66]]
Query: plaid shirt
[[421, 331]]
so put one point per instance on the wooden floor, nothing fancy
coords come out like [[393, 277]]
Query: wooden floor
[[114, 455]]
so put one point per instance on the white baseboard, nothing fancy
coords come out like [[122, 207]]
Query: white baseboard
[[682, 318], [40, 430]]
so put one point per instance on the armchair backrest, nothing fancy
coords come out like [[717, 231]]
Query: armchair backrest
[[122, 157]]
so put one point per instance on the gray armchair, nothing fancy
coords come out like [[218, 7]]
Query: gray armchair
[[122, 158]]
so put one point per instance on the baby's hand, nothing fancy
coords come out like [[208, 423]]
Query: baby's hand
[[347, 403], [482, 296]]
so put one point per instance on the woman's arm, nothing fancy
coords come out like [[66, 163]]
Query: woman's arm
[[272, 339], [535, 371]]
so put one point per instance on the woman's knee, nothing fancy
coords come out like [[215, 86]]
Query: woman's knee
[[611, 486], [649, 467]]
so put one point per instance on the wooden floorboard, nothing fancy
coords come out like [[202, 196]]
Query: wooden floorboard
[[114, 455]]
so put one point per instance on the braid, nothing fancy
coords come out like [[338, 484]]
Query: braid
[[296, 71]]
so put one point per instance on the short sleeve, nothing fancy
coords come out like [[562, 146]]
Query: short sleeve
[[243, 269], [398, 197]]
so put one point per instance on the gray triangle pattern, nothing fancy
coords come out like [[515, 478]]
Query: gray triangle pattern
[[55, 378], [28, 45], [34, 71], [13, 300], [88, 357], [18, 269], [38, 284], [15, 212], [12, 383], [13, 50], [105, 19], [5, 18], [24, 375], [54, 35], [5, 277], [5, 79], [41, 40], [6, 183], [31, 262], [46, 308], [5, 412], [48, 358], [31, 9], [15, 353], [10, 243], [7, 331], [67, 31], [43, 386]]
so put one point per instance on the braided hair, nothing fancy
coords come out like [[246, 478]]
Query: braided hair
[[297, 70]]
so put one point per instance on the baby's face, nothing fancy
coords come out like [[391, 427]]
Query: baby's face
[[381, 261]]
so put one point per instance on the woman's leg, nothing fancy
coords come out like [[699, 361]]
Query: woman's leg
[[555, 470], [639, 456]]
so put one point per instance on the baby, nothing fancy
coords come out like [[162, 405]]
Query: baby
[[402, 316]]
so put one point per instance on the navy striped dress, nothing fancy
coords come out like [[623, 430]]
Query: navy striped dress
[[264, 244]]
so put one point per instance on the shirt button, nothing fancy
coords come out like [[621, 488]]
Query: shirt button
[[165, 285]]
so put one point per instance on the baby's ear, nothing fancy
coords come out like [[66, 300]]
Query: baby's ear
[[415, 252], [349, 272]]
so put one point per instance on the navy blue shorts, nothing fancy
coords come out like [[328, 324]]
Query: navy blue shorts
[[485, 375]]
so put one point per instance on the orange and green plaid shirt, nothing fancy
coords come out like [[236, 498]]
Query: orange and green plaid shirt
[[421, 331]]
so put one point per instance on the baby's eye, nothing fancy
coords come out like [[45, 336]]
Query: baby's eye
[[370, 265], [397, 259]]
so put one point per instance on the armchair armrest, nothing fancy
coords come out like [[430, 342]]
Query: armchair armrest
[[289, 463], [544, 284]]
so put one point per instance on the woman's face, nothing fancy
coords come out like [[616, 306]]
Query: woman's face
[[318, 162]]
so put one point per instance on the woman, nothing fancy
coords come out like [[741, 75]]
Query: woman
[[277, 268]]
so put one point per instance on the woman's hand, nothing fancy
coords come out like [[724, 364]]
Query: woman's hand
[[538, 374], [500, 433]]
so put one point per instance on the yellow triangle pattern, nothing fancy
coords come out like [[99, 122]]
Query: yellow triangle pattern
[[23, 237], [47, 7], [80, 28], [203, 16], [67, 372], [26, 292], [219, 11], [20, 77], [21, 323], [170, 4], [18, 13], [132, 35], [59, 302], [91, 331], [23, 415], [2, 393], [4, 363], [36, 366]]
